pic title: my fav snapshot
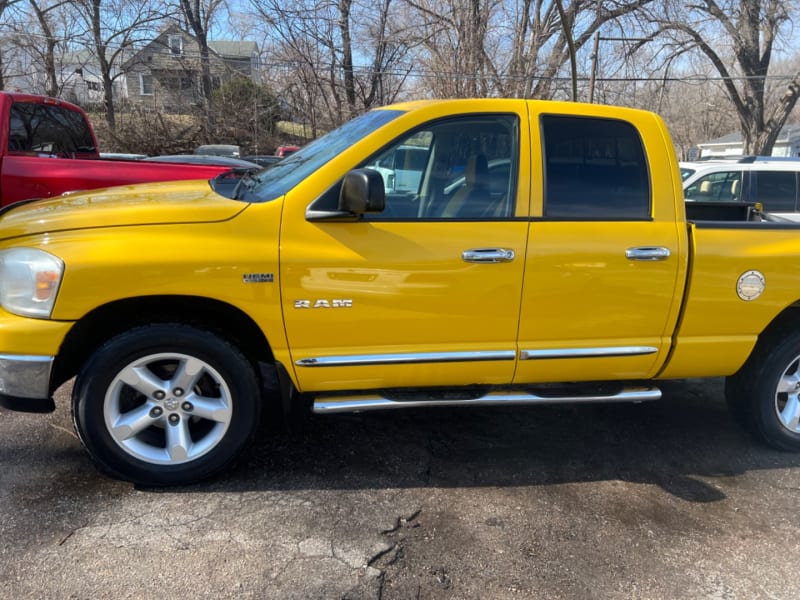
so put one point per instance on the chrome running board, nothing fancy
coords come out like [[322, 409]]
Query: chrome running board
[[357, 403]]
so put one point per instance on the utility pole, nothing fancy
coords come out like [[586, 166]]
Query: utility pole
[[595, 52]]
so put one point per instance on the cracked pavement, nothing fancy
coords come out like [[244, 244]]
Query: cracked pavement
[[660, 500]]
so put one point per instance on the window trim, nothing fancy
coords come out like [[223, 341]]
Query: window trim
[[142, 91], [171, 48]]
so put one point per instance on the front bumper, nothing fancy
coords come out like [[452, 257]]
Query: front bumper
[[25, 383]]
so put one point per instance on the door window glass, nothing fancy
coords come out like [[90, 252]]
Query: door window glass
[[776, 190], [459, 168], [723, 186], [594, 169]]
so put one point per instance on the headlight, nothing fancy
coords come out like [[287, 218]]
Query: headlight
[[29, 280]]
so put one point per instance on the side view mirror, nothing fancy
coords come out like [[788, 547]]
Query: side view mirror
[[362, 192]]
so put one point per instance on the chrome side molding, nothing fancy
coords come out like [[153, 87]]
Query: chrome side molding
[[358, 403], [609, 351], [404, 359]]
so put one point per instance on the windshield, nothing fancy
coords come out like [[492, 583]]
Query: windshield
[[287, 173]]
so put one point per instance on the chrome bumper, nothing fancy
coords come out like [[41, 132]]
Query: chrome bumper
[[25, 382]]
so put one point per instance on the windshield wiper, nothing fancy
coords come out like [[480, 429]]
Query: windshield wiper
[[246, 181]]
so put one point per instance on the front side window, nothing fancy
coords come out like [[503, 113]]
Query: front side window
[[723, 186], [776, 190], [48, 129], [595, 169], [456, 168]]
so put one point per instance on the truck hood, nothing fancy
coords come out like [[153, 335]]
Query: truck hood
[[142, 204]]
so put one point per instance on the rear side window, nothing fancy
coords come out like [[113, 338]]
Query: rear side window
[[776, 190], [594, 169], [48, 129]]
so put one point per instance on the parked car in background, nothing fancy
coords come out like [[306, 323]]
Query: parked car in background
[[400, 167], [772, 181], [48, 147], [200, 159], [265, 160], [219, 150], [688, 168], [121, 156], [284, 151]]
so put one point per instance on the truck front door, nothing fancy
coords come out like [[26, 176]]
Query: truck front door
[[426, 292]]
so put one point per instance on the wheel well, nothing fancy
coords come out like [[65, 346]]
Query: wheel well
[[786, 320], [103, 323]]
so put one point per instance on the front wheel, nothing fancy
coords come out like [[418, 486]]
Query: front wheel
[[764, 395], [166, 404]]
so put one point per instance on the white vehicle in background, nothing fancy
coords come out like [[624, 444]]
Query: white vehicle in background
[[401, 168], [774, 182]]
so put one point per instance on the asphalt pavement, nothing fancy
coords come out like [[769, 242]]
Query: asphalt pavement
[[668, 499]]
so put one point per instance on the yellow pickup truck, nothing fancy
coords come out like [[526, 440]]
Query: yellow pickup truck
[[543, 254]]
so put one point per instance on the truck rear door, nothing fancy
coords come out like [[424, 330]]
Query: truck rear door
[[606, 260]]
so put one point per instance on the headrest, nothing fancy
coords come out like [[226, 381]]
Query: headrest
[[477, 169]]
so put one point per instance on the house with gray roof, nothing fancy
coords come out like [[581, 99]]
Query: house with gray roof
[[166, 73], [787, 144], [82, 81]]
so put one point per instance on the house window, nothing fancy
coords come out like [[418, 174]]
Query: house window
[[146, 84], [176, 45]]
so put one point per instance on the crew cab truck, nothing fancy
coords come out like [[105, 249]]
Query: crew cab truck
[[544, 257], [48, 147]]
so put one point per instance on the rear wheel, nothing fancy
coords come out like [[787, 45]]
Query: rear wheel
[[764, 395], [166, 404]]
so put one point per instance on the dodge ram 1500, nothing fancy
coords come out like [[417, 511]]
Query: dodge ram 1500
[[544, 255]]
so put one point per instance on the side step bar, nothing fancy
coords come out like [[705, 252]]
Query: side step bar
[[358, 403]]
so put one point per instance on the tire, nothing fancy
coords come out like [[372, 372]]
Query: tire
[[764, 396], [166, 404]]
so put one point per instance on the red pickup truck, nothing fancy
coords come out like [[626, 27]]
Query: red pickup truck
[[48, 147]]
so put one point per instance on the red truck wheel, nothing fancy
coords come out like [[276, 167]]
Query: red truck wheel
[[764, 395], [166, 404]]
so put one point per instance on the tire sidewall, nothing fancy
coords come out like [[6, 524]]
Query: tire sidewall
[[761, 388], [102, 368]]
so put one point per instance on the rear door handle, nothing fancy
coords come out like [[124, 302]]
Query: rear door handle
[[488, 255], [649, 253]]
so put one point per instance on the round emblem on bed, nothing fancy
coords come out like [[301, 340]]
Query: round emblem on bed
[[750, 285]]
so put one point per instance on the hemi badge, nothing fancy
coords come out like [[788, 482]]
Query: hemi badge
[[258, 278]]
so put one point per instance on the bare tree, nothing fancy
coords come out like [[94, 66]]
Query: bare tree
[[738, 38], [47, 48], [199, 16], [454, 45], [4, 4], [313, 44], [113, 27], [486, 47]]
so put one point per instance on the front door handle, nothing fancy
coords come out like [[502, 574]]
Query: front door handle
[[488, 255], [649, 253]]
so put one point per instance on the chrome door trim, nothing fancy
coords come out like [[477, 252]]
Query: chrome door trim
[[408, 358], [586, 352], [647, 253], [488, 255]]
